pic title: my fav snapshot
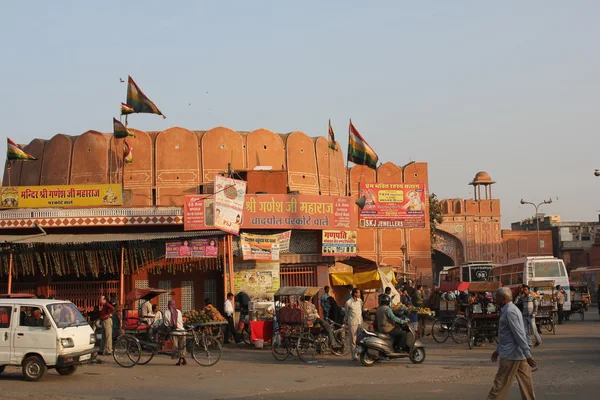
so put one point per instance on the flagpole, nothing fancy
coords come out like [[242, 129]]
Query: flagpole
[[348, 184], [329, 151]]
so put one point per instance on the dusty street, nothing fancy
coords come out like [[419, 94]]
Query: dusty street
[[569, 365]]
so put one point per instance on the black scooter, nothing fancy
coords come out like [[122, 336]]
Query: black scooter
[[375, 346]]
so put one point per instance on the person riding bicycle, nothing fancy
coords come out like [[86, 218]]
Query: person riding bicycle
[[386, 320], [310, 314]]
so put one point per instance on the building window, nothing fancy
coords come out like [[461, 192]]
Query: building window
[[210, 290], [187, 296], [163, 299], [141, 284]]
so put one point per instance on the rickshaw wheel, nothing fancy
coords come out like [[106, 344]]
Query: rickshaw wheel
[[582, 314], [470, 338], [439, 333], [147, 353], [341, 335], [280, 348], [460, 331], [127, 351], [207, 351], [306, 347]]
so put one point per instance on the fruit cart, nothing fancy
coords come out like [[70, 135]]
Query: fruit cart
[[209, 320]]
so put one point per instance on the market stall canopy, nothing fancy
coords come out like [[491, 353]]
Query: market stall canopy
[[361, 280], [480, 287], [144, 294], [297, 291], [452, 286], [547, 284], [105, 237], [360, 263]]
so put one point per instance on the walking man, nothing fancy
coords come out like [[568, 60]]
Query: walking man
[[325, 303], [106, 312], [530, 305], [560, 296], [353, 319], [229, 311], [513, 351]]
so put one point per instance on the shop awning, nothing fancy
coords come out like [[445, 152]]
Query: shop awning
[[362, 280], [105, 237], [360, 263], [452, 286]]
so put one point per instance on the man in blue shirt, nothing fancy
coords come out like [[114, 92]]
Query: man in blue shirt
[[513, 350], [324, 303]]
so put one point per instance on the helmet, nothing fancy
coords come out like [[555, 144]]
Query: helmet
[[385, 299]]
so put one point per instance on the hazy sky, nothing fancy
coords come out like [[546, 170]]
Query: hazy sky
[[508, 87]]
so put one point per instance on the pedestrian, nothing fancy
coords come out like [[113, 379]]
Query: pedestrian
[[324, 303], [560, 296], [410, 289], [405, 298], [349, 288], [536, 294], [353, 319], [106, 312], [529, 310], [418, 297], [513, 350], [229, 311], [173, 320]]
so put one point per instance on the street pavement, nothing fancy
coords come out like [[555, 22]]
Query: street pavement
[[569, 363]]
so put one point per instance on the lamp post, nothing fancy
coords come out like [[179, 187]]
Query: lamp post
[[403, 248], [537, 219]]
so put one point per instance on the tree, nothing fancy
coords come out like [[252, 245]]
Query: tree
[[435, 216]]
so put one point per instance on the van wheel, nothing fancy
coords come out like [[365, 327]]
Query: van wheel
[[2, 368], [34, 368], [66, 371]]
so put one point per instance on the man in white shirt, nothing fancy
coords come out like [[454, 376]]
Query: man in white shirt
[[146, 311], [353, 319], [229, 310]]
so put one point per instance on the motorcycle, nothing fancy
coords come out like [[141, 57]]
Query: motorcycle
[[376, 346]]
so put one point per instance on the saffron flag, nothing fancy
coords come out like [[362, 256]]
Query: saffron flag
[[127, 153], [138, 101], [331, 138], [126, 109], [14, 152], [359, 151], [119, 130]]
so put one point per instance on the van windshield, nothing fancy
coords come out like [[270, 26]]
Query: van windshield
[[66, 314]]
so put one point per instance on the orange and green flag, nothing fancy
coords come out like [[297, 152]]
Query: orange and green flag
[[120, 131], [138, 101], [331, 138], [127, 153], [359, 151], [14, 152], [126, 109]]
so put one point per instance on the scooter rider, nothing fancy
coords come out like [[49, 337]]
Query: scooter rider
[[386, 320]]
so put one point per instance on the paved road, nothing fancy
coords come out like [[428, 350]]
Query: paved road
[[569, 363]]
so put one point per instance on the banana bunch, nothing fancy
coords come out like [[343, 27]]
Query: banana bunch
[[424, 311]]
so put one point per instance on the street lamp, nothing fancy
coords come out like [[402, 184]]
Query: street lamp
[[597, 172], [537, 219]]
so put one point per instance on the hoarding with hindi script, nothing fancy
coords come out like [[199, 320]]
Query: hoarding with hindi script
[[393, 205], [193, 248], [100, 195], [339, 243], [260, 247], [229, 204], [278, 211]]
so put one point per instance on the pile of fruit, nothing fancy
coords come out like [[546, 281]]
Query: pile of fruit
[[424, 311], [214, 314], [209, 314]]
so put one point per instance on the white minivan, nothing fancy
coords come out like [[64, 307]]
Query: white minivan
[[40, 334]]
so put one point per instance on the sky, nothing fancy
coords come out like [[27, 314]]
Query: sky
[[511, 88]]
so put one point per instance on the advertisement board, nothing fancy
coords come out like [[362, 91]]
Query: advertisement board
[[260, 247], [339, 243], [61, 196], [393, 205], [193, 248], [229, 204]]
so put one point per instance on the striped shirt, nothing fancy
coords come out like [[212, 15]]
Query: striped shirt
[[530, 304]]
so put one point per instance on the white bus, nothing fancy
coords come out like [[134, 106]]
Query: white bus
[[475, 271], [527, 270]]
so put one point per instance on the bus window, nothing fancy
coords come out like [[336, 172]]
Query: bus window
[[549, 269], [505, 279], [465, 274]]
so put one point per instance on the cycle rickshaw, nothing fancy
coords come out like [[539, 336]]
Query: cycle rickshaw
[[142, 339], [482, 315], [547, 312], [449, 312], [291, 335], [580, 298]]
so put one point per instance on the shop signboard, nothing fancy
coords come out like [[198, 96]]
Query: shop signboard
[[229, 204], [193, 248], [260, 247], [277, 211], [339, 243], [393, 205], [100, 195]]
